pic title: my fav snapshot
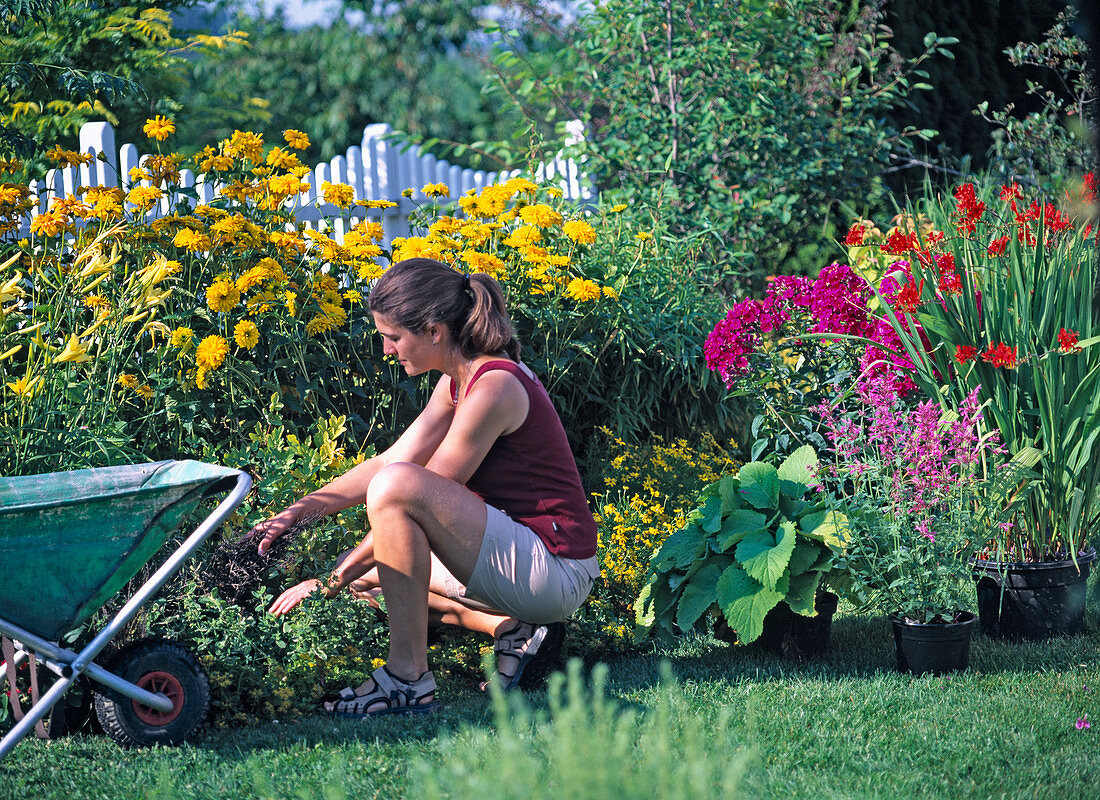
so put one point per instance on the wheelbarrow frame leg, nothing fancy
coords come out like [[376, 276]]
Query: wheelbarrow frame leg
[[75, 664]]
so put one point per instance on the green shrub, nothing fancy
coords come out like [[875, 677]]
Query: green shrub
[[587, 748]]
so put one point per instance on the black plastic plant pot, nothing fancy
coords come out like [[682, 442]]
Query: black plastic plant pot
[[1032, 601], [793, 635], [933, 648]]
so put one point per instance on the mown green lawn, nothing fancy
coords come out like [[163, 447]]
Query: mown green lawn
[[844, 726]]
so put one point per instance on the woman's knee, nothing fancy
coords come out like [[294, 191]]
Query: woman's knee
[[395, 487]]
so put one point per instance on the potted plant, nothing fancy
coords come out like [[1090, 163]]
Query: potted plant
[[1001, 288], [918, 488], [759, 539]]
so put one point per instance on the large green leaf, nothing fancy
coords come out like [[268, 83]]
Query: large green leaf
[[764, 557], [829, 527], [710, 514], [697, 596], [759, 485], [745, 602], [680, 549], [729, 488], [798, 471], [741, 522], [800, 595], [805, 555]]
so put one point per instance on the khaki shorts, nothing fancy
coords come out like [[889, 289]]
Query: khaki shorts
[[516, 574]]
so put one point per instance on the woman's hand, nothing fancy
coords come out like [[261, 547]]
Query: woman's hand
[[293, 596], [271, 529]]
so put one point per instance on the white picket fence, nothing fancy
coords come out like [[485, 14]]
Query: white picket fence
[[379, 168]]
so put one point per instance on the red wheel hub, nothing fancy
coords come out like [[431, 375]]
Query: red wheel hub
[[160, 683]]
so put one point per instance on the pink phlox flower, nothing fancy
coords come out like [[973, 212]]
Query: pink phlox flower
[[786, 294], [733, 339], [839, 301]]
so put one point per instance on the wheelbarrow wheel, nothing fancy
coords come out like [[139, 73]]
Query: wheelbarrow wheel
[[155, 665]]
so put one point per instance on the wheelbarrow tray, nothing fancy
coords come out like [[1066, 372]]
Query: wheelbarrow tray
[[70, 541]]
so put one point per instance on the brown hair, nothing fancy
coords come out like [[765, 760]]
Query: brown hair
[[419, 292]]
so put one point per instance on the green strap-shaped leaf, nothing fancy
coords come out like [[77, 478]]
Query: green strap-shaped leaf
[[745, 602], [739, 523], [803, 589], [798, 472], [697, 596], [766, 558], [759, 485]]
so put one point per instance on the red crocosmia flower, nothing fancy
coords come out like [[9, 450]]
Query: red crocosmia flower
[[945, 263], [950, 284], [1055, 220], [908, 299], [969, 208], [1067, 341], [997, 246], [1000, 355], [964, 354], [855, 235], [898, 243], [935, 237], [1010, 194], [1089, 187]]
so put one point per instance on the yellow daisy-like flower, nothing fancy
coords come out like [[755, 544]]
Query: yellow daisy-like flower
[[483, 262], [159, 128], [579, 231], [379, 204], [222, 295], [296, 139], [181, 337], [211, 352], [216, 163], [246, 334], [96, 301], [251, 279], [11, 166], [127, 381], [541, 215], [554, 191], [521, 185], [191, 240], [583, 290], [339, 194], [524, 237], [286, 185], [490, 202], [145, 391], [144, 196], [282, 159], [353, 296], [436, 190], [643, 236], [617, 209], [609, 292], [245, 144], [370, 271], [414, 247], [290, 299]]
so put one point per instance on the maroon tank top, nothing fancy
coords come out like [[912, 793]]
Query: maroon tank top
[[531, 475]]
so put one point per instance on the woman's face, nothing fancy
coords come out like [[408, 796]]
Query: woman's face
[[416, 352]]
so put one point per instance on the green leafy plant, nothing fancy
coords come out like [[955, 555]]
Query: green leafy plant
[[757, 539], [998, 292]]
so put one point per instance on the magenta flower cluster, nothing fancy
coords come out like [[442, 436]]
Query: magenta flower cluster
[[835, 302]]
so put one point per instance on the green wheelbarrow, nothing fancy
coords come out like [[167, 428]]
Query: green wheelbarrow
[[69, 543]]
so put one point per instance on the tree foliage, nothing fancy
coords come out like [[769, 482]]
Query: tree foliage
[[754, 121]]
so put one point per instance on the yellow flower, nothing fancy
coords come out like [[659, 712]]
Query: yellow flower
[[370, 271], [353, 296], [24, 388], [296, 139], [245, 144], [96, 301], [524, 237], [483, 262], [159, 128], [200, 377], [246, 334], [554, 191], [216, 163], [127, 381], [144, 390], [289, 298], [144, 196], [182, 338], [339, 194], [286, 185], [489, 203], [75, 352], [583, 290], [540, 214], [10, 166], [579, 231], [281, 159], [406, 192], [222, 295], [414, 247], [436, 190], [211, 352], [68, 158], [379, 204], [521, 185], [191, 240], [618, 208], [642, 236]]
